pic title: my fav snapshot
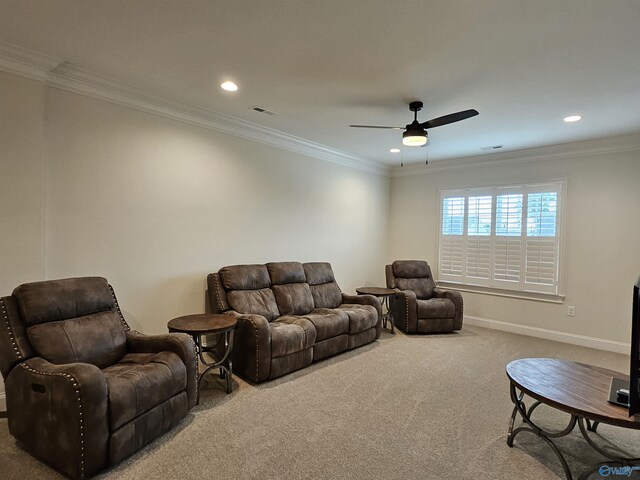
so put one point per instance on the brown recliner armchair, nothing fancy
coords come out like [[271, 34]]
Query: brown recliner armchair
[[83, 390], [418, 306]]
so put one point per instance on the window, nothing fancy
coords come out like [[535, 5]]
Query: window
[[502, 237]]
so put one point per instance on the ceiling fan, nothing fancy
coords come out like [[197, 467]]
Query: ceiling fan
[[415, 133]]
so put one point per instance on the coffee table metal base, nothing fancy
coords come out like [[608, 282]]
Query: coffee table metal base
[[584, 425]]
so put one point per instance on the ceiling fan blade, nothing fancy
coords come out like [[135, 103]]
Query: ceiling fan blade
[[451, 118], [375, 126]]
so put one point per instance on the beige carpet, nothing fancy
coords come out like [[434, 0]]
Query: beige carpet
[[404, 407]]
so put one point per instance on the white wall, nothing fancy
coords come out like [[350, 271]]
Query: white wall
[[21, 183], [155, 205], [602, 235]]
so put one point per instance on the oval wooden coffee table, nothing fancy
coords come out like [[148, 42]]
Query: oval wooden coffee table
[[581, 391], [383, 294], [202, 324]]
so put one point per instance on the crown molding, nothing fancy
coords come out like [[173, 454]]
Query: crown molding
[[68, 77], [25, 62], [602, 146]]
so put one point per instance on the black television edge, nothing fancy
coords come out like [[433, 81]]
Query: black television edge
[[634, 374]]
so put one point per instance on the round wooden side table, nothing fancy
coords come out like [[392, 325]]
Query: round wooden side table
[[383, 294], [202, 324]]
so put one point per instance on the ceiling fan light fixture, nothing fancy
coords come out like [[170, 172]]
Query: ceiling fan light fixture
[[413, 138]]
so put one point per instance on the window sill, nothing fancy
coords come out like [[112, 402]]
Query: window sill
[[498, 292]]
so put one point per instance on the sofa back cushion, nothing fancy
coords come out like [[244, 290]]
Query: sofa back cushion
[[258, 302], [248, 290], [73, 320], [245, 277], [292, 293], [414, 275], [322, 283]]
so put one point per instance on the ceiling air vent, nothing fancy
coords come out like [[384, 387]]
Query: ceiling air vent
[[259, 109], [491, 147]]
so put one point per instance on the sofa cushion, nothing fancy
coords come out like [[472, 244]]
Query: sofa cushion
[[245, 277], [423, 287], [436, 308], [259, 302], [411, 269], [98, 339], [318, 273], [54, 300], [324, 289], [282, 273], [328, 323], [293, 298], [361, 317], [327, 295], [290, 334], [140, 382]]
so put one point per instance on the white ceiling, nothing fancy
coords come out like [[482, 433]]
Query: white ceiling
[[323, 64]]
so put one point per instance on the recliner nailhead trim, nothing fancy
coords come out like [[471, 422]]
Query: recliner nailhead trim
[[76, 387], [215, 279], [406, 303], [14, 344], [115, 300]]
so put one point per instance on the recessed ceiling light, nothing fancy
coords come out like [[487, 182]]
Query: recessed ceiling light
[[229, 86], [395, 150], [572, 118]]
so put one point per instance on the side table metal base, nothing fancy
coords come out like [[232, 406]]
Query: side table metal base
[[221, 362], [387, 317]]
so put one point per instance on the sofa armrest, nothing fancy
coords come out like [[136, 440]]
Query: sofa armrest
[[456, 298], [251, 354], [179, 343], [60, 414], [404, 309], [367, 300]]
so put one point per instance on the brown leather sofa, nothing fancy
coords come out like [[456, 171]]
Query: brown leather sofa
[[418, 306], [289, 315], [83, 390]]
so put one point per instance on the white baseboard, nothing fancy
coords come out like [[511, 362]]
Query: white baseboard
[[3, 402], [564, 337]]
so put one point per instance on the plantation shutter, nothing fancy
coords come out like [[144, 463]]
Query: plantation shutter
[[541, 266], [502, 237], [452, 241]]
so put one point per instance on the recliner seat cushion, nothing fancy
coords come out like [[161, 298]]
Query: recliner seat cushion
[[290, 334], [436, 308], [259, 302], [361, 317], [142, 381], [293, 298], [98, 339], [328, 323]]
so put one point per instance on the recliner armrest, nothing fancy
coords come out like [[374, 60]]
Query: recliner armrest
[[456, 298], [251, 352], [179, 343], [404, 309], [65, 406]]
